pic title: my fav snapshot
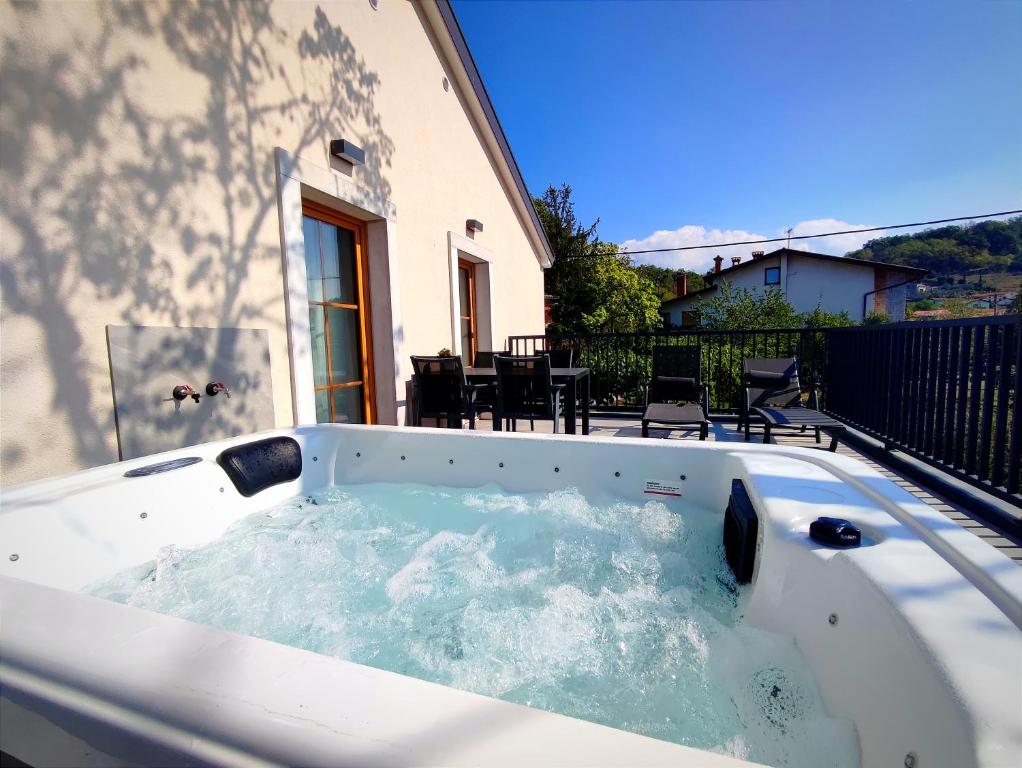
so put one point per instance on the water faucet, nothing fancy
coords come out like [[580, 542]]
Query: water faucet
[[183, 391], [215, 387]]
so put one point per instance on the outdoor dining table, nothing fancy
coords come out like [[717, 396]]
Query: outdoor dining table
[[572, 377]]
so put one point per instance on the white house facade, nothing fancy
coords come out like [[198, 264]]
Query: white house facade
[[807, 280], [277, 200]]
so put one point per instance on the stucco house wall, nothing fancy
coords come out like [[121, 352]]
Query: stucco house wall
[[752, 276], [142, 160], [835, 286]]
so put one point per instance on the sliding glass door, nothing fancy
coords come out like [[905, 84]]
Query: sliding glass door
[[338, 316]]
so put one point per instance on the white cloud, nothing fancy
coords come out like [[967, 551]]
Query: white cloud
[[837, 245], [702, 260]]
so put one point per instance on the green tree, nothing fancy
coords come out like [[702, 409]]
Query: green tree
[[661, 278], [958, 308], [819, 318], [595, 288], [626, 301], [953, 250], [664, 280], [573, 246], [737, 309]]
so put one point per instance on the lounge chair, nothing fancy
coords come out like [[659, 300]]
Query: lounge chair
[[772, 393], [676, 397]]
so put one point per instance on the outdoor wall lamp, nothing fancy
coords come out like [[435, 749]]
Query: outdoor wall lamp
[[474, 225], [345, 150]]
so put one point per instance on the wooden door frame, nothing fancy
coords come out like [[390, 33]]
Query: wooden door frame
[[473, 320], [328, 215]]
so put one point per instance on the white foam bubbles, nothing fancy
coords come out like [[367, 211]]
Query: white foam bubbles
[[620, 613]]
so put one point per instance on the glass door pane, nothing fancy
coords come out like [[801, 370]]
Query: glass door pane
[[340, 278], [466, 341], [348, 405], [464, 286], [317, 331], [345, 345], [323, 406], [313, 261]]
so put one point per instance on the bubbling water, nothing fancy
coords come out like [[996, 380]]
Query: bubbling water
[[618, 613]]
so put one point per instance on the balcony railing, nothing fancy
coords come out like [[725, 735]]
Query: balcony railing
[[621, 363], [944, 391]]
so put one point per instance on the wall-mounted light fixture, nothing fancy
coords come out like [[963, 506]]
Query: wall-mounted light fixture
[[345, 150], [474, 225]]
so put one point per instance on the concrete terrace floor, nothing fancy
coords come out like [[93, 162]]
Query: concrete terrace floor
[[613, 425]]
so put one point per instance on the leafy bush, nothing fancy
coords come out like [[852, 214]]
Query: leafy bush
[[819, 318], [737, 309], [876, 318], [619, 374]]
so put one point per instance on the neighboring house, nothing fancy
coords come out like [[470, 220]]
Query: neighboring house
[[179, 169], [998, 301], [807, 280]]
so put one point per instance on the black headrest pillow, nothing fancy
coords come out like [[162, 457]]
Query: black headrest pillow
[[256, 466]]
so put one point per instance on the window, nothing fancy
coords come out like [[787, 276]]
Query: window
[[467, 300], [338, 315], [772, 276]]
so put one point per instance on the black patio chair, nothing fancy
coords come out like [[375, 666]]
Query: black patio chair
[[442, 392], [559, 358], [485, 359], [772, 392], [525, 390], [676, 396], [486, 394]]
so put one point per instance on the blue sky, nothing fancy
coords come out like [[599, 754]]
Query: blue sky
[[686, 122]]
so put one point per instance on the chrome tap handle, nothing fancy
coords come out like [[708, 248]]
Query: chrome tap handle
[[215, 387], [183, 392]]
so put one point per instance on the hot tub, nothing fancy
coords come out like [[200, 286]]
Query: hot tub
[[913, 638]]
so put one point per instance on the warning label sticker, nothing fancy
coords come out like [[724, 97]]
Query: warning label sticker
[[663, 488]]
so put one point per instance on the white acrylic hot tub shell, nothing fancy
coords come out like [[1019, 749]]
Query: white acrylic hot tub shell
[[925, 657]]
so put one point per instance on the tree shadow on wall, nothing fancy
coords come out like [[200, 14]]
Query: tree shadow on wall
[[99, 187]]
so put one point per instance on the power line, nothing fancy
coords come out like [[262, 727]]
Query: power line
[[789, 237]]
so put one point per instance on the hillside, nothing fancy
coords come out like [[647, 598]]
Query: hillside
[[664, 280], [953, 254]]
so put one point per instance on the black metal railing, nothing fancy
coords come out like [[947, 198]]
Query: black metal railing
[[620, 364], [945, 391]]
